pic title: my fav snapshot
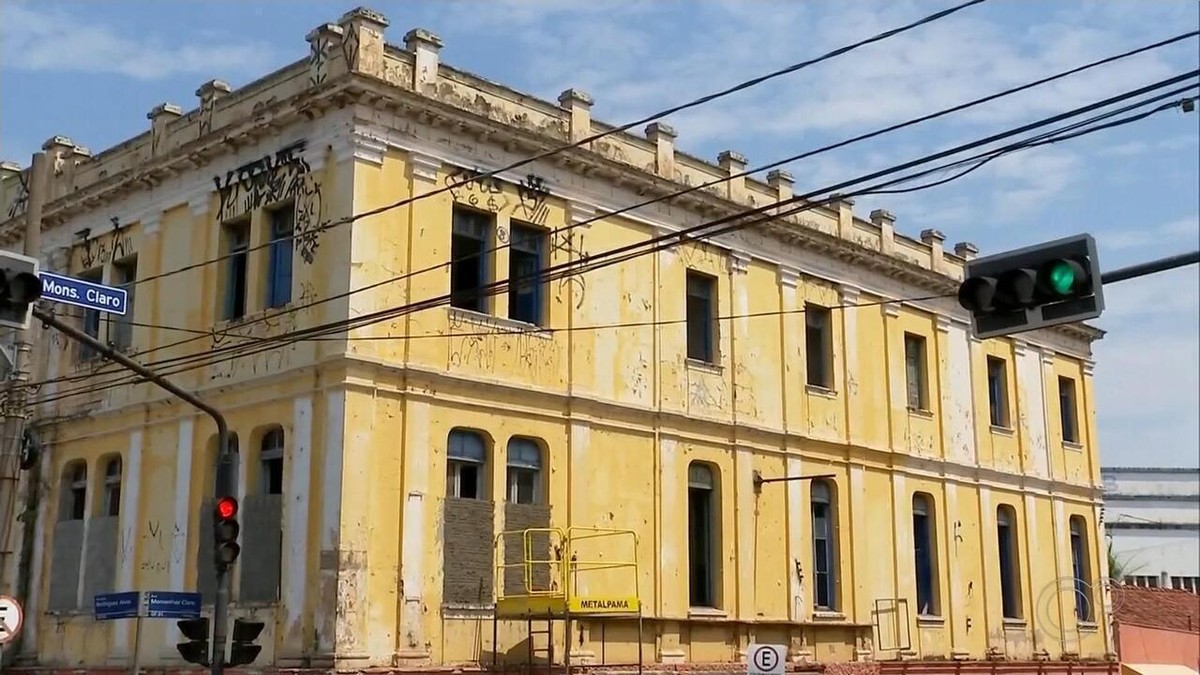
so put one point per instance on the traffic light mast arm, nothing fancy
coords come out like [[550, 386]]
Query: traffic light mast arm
[[224, 484], [1152, 267]]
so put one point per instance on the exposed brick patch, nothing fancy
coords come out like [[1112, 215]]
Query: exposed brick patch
[[1165, 608], [467, 532]]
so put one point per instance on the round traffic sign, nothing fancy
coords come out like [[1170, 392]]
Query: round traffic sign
[[765, 659], [11, 618]]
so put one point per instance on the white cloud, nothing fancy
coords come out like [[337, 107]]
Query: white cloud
[[39, 39], [1135, 235]]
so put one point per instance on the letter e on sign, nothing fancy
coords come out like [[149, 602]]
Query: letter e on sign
[[766, 659], [11, 618]]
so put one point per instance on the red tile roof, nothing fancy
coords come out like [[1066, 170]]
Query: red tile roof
[[1165, 608]]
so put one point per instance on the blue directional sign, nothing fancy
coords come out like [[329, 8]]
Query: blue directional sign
[[80, 293], [172, 605], [108, 606]]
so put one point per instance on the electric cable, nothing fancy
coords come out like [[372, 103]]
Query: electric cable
[[862, 137], [741, 174], [1028, 142], [741, 86], [344, 325]]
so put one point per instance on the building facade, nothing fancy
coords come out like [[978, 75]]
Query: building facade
[[951, 493], [1152, 521]]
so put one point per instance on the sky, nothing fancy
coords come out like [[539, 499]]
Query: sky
[[92, 70]]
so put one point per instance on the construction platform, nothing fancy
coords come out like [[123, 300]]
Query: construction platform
[[551, 574]]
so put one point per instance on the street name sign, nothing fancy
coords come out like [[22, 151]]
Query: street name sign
[[172, 605], [87, 294], [109, 606]]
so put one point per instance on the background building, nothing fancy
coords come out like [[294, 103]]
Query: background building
[[1152, 519], [1158, 630], [957, 506]]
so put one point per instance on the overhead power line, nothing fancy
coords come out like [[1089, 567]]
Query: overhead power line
[[600, 216], [264, 344], [741, 86]]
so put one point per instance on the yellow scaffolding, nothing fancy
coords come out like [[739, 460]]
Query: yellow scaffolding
[[544, 584]]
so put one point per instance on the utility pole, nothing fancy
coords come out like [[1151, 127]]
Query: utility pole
[[224, 464], [16, 401]]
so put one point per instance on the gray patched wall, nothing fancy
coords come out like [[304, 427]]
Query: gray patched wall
[[262, 548], [467, 532], [100, 572], [64, 566], [525, 517]]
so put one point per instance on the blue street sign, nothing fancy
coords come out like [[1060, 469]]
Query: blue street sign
[[108, 606], [172, 605], [82, 293]]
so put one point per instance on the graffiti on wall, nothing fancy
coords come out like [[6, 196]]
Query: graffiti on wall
[[274, 179], [102, 249], [22, 198]]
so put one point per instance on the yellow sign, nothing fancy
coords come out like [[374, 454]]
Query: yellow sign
[[601, 605]]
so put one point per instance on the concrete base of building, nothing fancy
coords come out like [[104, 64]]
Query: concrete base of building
[[913, 667]]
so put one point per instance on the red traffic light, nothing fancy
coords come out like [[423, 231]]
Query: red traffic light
[[227, 508]]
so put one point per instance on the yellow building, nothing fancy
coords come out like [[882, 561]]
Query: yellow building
[[637, 412]]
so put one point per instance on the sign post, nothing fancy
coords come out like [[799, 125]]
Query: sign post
[[766, 659]]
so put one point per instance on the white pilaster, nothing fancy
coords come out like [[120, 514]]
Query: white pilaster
[[673, 530], [131, 488], [331, 515], [295, 517], [743, 497], [177, 567], [848, 296], [796, 511], [1031, 379], [958, 397], [415, 529]]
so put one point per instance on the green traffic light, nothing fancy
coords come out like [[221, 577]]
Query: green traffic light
[[1061, 276]]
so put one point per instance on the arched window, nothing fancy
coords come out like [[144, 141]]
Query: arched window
[[112, 486], [824, 538], [925, 553], [270, 457], [1081, 570], [1010, 566], [466, 457], [703, 536], [74, 491], [524, 471]]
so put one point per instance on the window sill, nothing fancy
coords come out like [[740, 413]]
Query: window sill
[[706, 613], [500, 324], [704, 366], [930, 620], [453, 610], [1088, 626], [1002, 431], [818, 390], [1015, 624], [1071, 445], [828, 615], [921, 412]]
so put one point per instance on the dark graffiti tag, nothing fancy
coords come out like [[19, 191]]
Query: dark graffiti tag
[[22, 199], [469, 187], [274, 179], [534, 199], [103, 249]]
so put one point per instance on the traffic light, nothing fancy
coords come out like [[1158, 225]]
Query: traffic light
[[244, 651], [1034, 287], [195, 650], [225, 531], [20, 287]]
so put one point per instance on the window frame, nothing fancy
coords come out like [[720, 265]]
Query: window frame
[[459, 456], [1068, 410], [704, 528], [925, 555], [999, 408], [112, 485], [524, 460], [235, 243], [916, 371], [1081, 570], [122, 328], [1009, 563], [280, 254], [818, 328], [701, 295], [271, 458], [823, 507], [526, 239], [478, 228]]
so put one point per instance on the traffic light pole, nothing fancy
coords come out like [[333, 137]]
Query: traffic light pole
[[1152, 267], [224, 466]]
